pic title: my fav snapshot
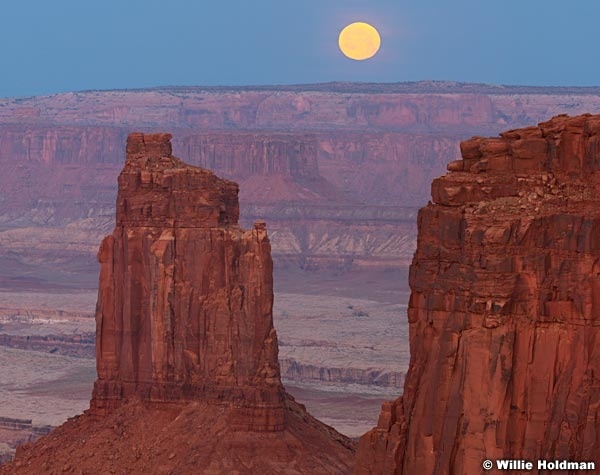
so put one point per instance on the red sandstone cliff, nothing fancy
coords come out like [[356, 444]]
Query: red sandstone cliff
[[188, 377], [504, 310], [185, 296]]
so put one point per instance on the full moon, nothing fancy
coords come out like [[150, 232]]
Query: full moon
[[359, 41]]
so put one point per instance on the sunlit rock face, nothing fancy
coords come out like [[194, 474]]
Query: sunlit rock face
[[504, 311]]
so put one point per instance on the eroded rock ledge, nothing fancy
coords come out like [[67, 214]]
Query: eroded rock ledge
[[505, 309]]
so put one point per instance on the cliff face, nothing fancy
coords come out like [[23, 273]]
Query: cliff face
[[287, 154], [395, 168], [504, 309], [56, 175], [185, 336]]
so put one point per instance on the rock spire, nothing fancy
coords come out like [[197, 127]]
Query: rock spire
[[188, 376]]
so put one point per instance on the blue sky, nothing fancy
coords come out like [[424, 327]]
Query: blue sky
[[69, 45]]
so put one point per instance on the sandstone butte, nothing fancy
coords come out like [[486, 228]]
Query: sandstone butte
[[504, 310], [188, 377]]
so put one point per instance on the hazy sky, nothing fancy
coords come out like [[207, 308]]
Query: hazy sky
[[66, 45]]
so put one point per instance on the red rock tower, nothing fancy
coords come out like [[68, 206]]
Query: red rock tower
[[188, 376], [185, 303], [505, 310]]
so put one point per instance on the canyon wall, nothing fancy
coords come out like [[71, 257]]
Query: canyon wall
[[79, 346], [293, 370], [503, 311]]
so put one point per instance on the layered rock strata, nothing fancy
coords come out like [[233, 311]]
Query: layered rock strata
[[185, 336], [504, 312], [328, 147]]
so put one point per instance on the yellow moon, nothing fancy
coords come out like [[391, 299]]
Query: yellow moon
[[359, 41]]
